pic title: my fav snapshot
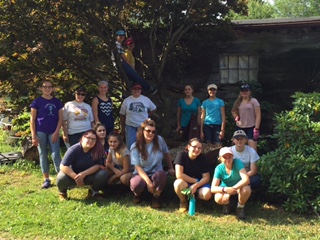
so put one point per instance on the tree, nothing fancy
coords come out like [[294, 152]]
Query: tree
[[257, 9], [71, 41], [297, 8]]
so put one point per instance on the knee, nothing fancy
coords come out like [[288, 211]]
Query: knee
[[206, 194], [179, 185], [245, 190]]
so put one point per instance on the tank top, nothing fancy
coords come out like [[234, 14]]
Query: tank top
[[105, 113]]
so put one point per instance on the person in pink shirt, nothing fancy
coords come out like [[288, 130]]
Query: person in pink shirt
[[247, 115]]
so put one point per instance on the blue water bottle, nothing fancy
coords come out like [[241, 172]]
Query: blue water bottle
[[192, 206]]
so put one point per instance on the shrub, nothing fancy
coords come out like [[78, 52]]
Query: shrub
[[292, 172]]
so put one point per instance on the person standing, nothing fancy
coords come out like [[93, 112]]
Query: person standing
[[146, 155], [188, 109], [134, 110], [247, 115], [102, 107], [77, 116], [45, 123], [213, 117]]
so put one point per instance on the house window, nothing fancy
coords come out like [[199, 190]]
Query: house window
[[238, 68]]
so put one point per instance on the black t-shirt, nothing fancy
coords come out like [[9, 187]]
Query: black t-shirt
[[193, 168]]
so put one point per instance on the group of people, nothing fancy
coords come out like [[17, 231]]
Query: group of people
[[210, 116], [97, 156]]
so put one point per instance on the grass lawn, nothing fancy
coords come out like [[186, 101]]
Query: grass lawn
[[27, 212]]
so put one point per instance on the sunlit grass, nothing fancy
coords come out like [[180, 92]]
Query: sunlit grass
[[27, 212]]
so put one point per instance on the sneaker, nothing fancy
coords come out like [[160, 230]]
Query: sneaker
[[63, 196], [46, 184], [240, 213], [226, 209], [153, 90], [183, 207], [97, 196], [156, 202], [136, 199]]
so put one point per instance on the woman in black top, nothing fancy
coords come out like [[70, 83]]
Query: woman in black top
[[192, 171]]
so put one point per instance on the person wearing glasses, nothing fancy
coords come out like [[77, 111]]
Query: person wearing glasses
[[146, 155], [192, 171], [247, 115], [213, 117], [45, 124], [134, 110], [102, 107], [77, 116], [81, 165]]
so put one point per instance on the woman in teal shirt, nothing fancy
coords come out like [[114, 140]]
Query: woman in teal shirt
[[186, 108], [230, 178]]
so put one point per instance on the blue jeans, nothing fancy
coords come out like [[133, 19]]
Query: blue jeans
[[255, 182], [211, 133], [44, 142], [96, 180], [134, 77], [131, 135]]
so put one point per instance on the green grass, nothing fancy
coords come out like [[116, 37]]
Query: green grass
[[27, 212]]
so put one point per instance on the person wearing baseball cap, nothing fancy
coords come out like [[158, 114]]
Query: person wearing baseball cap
[[77, 117], [213, 117], [131, 73], [247, 114], [134, 110], [248, 157], [230, 178], [129, 45]]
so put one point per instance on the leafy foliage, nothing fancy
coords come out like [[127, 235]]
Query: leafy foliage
[[292, 171], [297, 8]]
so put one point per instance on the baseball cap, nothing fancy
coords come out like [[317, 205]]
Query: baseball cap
[[245, 87], [80, 89], [120, 33], [239, 133], [223, 151], [136, 85], [129, 41], [212, 86]]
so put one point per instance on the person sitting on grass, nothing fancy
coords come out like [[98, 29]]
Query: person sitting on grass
[[146, 155], [230, 178], [118, 160], [81, 166], [192, 171], [248, 157]]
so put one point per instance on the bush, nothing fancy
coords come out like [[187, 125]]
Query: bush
[[292, 172]]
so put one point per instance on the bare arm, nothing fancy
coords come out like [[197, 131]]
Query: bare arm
[[199, 115], [244, 179], [253, 169], [33, 118], [223, 122], [203, 116], [168, 160], [215, 186], [94, 104], [258, 116]]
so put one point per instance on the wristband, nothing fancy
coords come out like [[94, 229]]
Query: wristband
[[223, 191]]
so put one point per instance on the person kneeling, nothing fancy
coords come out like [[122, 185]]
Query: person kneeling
[[81, 166], [230, 178], [192, 171]]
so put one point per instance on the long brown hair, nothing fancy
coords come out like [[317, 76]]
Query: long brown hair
[[141, 142], [236, 105], [121, 145], [97, 151]]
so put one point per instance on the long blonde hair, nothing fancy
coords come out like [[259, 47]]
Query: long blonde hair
[[236, 105]]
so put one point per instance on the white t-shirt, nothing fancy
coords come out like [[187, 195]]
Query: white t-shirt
[[136, 109], [78, 116], [248, 156]]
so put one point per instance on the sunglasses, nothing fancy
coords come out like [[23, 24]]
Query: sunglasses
[[150, 131], [81, 94]]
